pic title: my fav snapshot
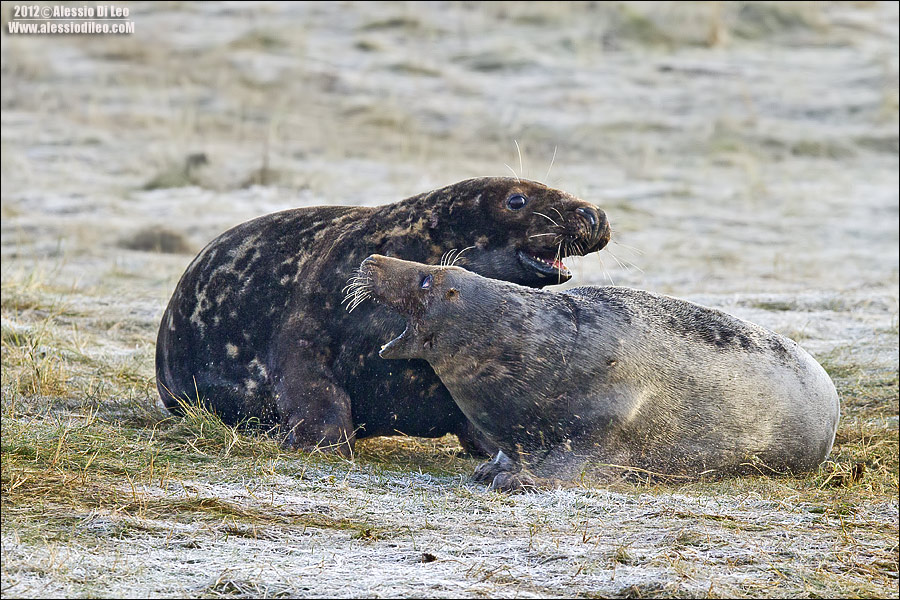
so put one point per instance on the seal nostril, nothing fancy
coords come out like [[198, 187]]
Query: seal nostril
[[589, 214]]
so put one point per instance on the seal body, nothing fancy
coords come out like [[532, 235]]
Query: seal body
[[609, 376], [255, 329]]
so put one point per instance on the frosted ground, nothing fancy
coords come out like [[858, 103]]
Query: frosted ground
[[746, 155]]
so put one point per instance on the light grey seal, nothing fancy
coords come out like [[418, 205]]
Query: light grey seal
[[561, 381]]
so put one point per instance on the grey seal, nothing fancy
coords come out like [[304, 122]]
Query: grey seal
[[608, 376]]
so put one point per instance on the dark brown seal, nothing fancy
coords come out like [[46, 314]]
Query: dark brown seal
[[256, 329], [610, 376]]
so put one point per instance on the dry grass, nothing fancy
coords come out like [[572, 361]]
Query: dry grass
[[72, 477], [89, 458], [743, 150]]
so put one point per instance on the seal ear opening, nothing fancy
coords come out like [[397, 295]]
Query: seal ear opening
[[403, 346]]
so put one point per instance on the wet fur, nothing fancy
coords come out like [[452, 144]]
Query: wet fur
[[611, 376]]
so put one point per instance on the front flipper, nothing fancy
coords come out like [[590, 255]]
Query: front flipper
[[487, 472], [504, 475], [314, 410], [556, 468], [513, 482]]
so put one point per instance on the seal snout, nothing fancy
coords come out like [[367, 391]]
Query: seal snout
[[370, 272], [376, 278], [589, 214], [597, 226]]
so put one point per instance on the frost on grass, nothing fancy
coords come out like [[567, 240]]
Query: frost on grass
[[746, 154], [194, 507]]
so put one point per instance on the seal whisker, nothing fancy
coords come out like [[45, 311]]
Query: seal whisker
[[552, 160], [618, 262], [447, 257], [561, 217], [513, 171], [605, 270], [541, 234], [579, 251], [356, 291], [521, 164], [573, 247], [459, 255], [451, 258], [624, 266], [349, 293], [634, 266], [356, 284], [359, 299], [349, 299], [632, 248], [559, 251], [548, 218]]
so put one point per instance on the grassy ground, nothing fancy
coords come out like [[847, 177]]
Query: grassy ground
[[746, 154], [93, 471]]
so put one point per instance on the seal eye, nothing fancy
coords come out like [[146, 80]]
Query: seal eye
[[426, 282], [516, 201]]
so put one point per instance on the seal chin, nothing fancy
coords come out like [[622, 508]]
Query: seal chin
[[398, 347], [387, 349], [550, 268]]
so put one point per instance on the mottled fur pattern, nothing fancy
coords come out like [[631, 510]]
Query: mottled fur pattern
[[256, 330], [609, 376]]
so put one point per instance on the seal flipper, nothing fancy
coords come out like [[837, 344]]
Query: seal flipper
[[501, 463], [525, 481], [504, 475], [513, 482], [508, 475], [314, 410]]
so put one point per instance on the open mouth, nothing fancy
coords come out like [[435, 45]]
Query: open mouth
[[385, 350], [548, 265]]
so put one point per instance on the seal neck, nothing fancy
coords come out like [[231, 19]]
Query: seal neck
[[415, 229]]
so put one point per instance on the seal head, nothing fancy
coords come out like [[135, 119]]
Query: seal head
[[412, 289], [535, 228]]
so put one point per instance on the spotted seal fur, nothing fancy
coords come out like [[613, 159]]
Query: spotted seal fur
[[255, 328], [608, 376]]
